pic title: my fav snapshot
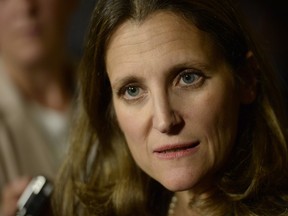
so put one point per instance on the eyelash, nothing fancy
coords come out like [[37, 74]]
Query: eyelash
[[196, 82], [123, 92], [198, 78]]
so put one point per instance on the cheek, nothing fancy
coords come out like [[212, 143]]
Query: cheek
[[131, 122], [214, 118], [133, 127], [222, 126], [219, 112]]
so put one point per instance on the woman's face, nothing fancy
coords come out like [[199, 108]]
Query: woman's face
[[33, 30], [175, 99]]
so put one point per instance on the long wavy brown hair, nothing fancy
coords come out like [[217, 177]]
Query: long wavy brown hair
[[99, 176]]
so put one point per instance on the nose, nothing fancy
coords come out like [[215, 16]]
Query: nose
[[165, 118]]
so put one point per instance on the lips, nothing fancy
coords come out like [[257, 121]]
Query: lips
[[176, 151]]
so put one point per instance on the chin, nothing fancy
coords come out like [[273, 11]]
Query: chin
[[179, 184]]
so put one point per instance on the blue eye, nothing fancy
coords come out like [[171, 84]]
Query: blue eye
[[132, 91], [189, 78]]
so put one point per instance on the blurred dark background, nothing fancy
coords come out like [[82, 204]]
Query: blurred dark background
[[268, 20], [79, 26]]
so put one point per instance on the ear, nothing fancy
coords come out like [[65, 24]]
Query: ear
[[248, 75]]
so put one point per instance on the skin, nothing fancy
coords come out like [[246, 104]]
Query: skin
[[172, 87], [11, 193]]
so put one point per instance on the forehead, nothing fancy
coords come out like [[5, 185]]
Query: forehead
[[151, 29], [162, 35]]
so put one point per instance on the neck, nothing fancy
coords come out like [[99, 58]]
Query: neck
[[182, 204], [188, 203], [43, 83], [212, 203]]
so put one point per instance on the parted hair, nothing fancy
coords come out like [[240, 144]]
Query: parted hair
[[99, 176]]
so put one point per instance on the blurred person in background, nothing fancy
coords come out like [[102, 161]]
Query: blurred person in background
[[36, 92]]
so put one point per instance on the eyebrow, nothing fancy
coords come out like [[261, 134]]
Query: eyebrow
[[122, 81], [188, 64]]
